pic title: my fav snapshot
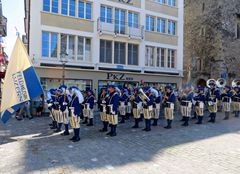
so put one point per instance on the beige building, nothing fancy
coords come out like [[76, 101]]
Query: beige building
[[105, 41]]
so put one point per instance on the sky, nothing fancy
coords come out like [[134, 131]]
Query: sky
[[13, 10]]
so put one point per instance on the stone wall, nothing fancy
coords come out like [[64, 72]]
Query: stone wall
[[211, 49]]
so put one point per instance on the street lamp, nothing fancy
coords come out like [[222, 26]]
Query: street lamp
[[64, 61]]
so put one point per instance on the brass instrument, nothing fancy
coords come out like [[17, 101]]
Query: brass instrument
[[142, 95], [221, 83], [211, 81], [236, 83]]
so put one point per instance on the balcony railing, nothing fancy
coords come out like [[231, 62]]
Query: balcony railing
[[116, 27]]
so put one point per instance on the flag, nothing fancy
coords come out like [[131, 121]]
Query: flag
[[21, 82]]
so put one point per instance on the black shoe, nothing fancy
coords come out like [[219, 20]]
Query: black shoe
[[225, 118], [109, 133], [135, 126], [185, 124], [145, 129], [73, 138], [50, 124], [58, 130], [89, 124], [30, 118], [149, 129], [198, 122], [103, 130], [85, 121], [53, 127], [76, 140], [167, 127], [113, 134], [65, 133]]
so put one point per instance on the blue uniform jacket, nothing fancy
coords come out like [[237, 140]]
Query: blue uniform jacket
[[113, 99], [171, 97], [215, 92], [200, 97], [90, 100], [228, 94], [64, 102], [55, 100], [75, 103], [124, 98]]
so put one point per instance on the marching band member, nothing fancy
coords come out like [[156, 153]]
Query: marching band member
[[169, 99], [226, 101], [112, 110], [199, 101], [212, 97], [64, 114], [56, 111], [148, 108], [85, 108], [186, 105], [75, 111], [89, 106], [123, 104], [156, 108], [137, 106], [236, 101], [50, 100], [102, 107]]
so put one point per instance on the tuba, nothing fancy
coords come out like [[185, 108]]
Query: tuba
[[142, 95], [211, 81], [221, 83], [236, 83], [154, 91]]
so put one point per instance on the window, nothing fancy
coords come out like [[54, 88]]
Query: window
[[45, 44], [80, 53], [68, 45], [120, 16], [203, 7], [160, 57], [171, 27], [238, 31], [88, 11], [71, 46], [238, 27], [54, 45], [55, 6], [106, 14], [119, 53], [63, 43], [84, 10], [72, 8], [80, 9], [132, 19], [49, 44], [46, 5], [171, 2], [132, 54], [149, 56], [150, 23], [105, 51], [87, 49], [161, 25], [65, 7], [161, 1], [171, 59], [84, 49]]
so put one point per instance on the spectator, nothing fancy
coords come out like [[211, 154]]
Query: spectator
[[39, 105], [24, 111]]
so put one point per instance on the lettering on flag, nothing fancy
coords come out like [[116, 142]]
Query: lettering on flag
[[20, 86]]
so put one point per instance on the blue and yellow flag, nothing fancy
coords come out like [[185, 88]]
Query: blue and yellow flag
[[21, 82]]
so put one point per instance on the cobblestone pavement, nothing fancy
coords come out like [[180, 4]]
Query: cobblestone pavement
[[29, 146]]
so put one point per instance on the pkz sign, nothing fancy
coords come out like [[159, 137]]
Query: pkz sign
[[118, 76], [125, 1]]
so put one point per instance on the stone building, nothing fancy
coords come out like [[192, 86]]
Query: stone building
[[212, 40]]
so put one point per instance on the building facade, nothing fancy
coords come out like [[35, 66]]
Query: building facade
[[106, 41], [212, 39]]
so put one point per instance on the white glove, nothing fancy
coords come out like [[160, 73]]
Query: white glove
[[103, 102], [65, 104]]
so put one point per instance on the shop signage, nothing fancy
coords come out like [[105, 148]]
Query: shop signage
[[118, 76], [125, 1]]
